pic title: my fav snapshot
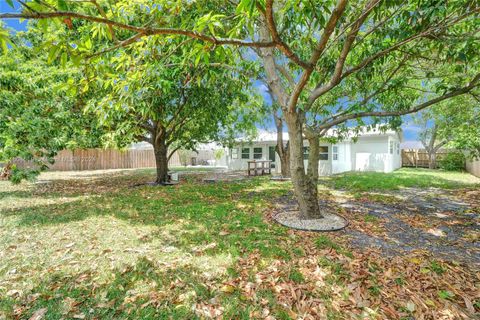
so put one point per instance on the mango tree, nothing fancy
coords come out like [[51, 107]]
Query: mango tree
[[308, 50], [38, 117], [155, 93]]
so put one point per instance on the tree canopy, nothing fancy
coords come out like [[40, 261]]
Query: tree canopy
[[332, 62], [38, 117], [156, 93]]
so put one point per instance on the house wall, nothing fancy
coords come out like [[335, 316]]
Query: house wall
[[324, 166], [372, 153], [368, 153], [242, 164], [343, 162]]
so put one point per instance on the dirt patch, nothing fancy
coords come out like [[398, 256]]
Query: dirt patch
[[441, 222]]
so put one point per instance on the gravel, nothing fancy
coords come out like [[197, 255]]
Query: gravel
[[329, 222]]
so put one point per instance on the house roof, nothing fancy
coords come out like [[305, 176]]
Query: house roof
[[271, 136]]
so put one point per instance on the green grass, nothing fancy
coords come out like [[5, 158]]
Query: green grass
[[88, 244], [402, 178]]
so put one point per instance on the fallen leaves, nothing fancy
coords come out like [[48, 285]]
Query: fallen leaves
[[39, 314]]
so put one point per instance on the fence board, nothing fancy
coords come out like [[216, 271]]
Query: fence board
[[102, 159], [418, 158]]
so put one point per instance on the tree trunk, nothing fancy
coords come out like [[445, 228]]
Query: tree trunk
[[432, 159], [284, 160], [283, 151], [313, 158], [161, 161], [304, 188]]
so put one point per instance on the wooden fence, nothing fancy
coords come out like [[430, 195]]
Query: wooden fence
[[474, 167], [418, 158], [101, 159]]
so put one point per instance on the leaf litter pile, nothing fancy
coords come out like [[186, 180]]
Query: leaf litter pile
[[94, 248]]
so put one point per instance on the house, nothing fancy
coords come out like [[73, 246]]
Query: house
[[373, 150]]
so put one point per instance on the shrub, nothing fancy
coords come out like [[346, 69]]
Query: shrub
[[454, 161]]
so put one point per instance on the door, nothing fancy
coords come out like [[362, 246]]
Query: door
[[271, 155]]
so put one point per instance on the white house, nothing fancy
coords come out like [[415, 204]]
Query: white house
[[373, 150]]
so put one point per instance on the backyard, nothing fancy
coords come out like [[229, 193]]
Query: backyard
[[102, 245]]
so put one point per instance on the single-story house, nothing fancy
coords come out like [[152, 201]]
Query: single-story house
[[373, 150]]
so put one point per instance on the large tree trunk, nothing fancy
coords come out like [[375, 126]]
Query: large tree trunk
[[284, 160], [432, 159], [313, 157], [304, 188], [305, 192], [161, 161], [282, 150]]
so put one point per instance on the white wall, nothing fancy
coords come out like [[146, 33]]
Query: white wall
[[369, 153], [343, 163], [242, 164], [372, 153]]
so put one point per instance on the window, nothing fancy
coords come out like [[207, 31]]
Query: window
[[391, 147], [245, 153], [398, 147], [305, 153], [234, 153], [323, 153], [335, 153], [257, 153]]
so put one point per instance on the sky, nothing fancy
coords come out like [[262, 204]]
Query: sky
[[12, 23], [410, 130]]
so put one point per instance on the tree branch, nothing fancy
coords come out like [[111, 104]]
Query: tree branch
[[329, 28], [282, 46], [320, 90], [172, 152], [145, 31], [475, 82], [121, 44]]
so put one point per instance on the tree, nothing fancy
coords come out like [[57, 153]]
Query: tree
[[310, 51], [184, 156], [157, 95], [37, 116], [462, 125], [281, 148], [448, 124]]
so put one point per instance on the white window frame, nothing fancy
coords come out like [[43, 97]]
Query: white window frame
[[244, 153], [335, 152], [234, 153], [320, 153], [391, 146], [398, 148]]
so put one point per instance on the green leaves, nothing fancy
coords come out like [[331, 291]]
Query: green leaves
[[210, 21], [62, 5], [88, 44], [4, 39], [249, 6], [38, 117]]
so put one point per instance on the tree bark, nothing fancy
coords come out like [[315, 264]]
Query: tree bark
[[161, 160], [284, 154], [305, 193], [313, 157], [432, 159], [282, 150], [304, 188]]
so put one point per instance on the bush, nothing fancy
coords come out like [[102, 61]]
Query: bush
[[454, 161]]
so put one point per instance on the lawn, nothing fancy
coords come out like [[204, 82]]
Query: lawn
[[403, 178], [91, 246]]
